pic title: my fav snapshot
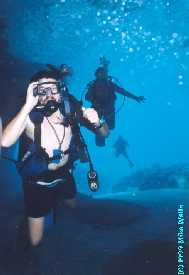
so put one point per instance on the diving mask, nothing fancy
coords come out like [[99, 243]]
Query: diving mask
[[52, 89]]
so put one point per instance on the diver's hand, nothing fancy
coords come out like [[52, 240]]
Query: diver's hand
[[91, 115], [140, 99], [104, 62], [31, 100]]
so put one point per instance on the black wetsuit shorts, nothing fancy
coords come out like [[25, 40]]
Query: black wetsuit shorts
[[42, 193]]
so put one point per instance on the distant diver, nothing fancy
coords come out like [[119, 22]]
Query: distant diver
[[121, 146], [101, 93]]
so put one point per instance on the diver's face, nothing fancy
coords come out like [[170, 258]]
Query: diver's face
[[49, 90], [101, 75]]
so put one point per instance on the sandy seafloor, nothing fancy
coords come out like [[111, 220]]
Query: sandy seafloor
[[118, 234]]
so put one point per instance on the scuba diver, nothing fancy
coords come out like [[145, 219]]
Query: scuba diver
[[49, 120], [101, 93], [121, 146]]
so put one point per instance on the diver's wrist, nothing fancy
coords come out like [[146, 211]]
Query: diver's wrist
[[27, 109], [99, 125]]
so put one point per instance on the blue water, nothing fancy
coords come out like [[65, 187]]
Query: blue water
[[146, 43]]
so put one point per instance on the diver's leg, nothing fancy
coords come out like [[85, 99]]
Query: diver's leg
[[36, 229], [70, 191], [29, 246], [33, 259], [110, 119], [117, 154], [71, 203], [38, 204], [131, 164], [100, 141], [124, 153], [66, 192]]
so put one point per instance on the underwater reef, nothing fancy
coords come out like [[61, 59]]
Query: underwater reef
[[174, 176]]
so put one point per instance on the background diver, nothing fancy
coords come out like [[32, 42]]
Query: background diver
[[121, 146], [101, 93]]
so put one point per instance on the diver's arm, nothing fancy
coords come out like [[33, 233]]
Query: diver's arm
[[128, 94], [18, 124], [97, 126], [15, 127], [91, 115], [102, 129], [88, 117], [124, 92]]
